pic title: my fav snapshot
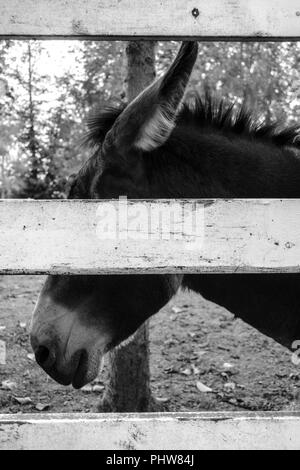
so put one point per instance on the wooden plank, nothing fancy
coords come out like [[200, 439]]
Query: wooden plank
[[176, 431], [215, 19], [81, 237]]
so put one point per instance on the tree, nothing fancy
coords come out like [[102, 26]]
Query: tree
[[30, 136], [5, 124], [127, 385]]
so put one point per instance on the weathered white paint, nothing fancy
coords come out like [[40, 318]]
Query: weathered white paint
[[151, 18], [150, 431], [61, 237]]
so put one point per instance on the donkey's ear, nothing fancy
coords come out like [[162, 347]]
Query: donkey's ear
[[149, 119]]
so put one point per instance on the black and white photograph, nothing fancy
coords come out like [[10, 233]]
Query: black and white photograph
[[149, 227]]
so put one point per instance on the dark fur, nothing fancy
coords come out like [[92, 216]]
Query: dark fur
[[215, 151]]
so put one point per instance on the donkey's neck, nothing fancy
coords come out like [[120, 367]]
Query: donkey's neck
[[206, 164]]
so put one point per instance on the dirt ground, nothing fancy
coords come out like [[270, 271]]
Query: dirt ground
[[194, 344]]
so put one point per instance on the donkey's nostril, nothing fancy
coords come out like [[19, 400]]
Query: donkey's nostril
[[44, 357]]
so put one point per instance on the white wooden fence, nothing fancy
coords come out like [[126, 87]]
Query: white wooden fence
[[153, 236], [160, 431], [63, 237], [221, 19]]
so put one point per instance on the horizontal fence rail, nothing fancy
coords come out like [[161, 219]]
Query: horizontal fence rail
[[168, 19], [151, 431], [110, 237]]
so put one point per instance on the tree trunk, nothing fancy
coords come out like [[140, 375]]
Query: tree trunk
[[31, 133], [140, 67], [127, 386]]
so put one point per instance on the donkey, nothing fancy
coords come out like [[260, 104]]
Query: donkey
[[160, 147]]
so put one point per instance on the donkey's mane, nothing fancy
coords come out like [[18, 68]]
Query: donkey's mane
[[210, 112], [101, 122], [236, 119]]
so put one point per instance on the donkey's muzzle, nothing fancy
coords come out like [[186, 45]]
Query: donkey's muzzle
[[49, 355], [45, 356]]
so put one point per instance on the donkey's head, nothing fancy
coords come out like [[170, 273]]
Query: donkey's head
[[78, 318]]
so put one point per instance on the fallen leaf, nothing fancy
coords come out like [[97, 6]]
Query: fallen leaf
[[87, 389], [42, 406], [98, 388], [192, 334], [203, 388], [22, 325], [23, 400], [8, 385], [186, 371], [227, 365], [162, 399], [177, 309]]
